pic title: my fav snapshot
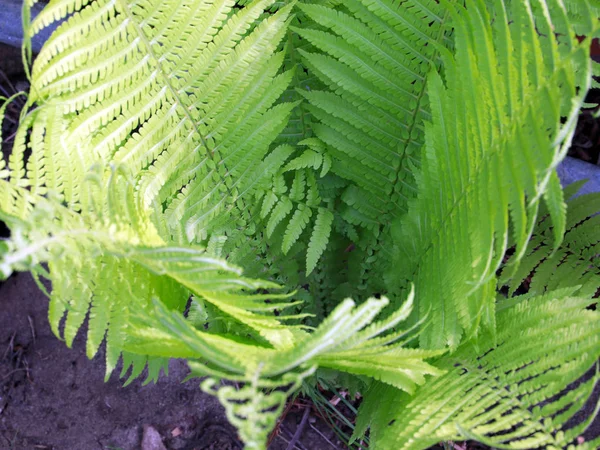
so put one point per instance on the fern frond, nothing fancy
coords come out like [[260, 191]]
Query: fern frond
[[574, 264], [496, 136], [135, 364], [150, 125], [319, 238], [100, 270], [280, 212], [513, 395], [184, 101], [296, 226], [252, 411], [374, 61]]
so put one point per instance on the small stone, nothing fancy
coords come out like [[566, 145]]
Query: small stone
[[151, 439], [176, 432], [572, 170]]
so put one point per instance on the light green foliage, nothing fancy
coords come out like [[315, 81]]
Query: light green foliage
[[495, 137], [347, 340], [513, 392], [256, 163]]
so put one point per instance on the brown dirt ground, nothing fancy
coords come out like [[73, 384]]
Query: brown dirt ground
[[54, 398]]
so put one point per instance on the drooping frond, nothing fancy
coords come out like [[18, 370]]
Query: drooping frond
[[152, 120], [105, 269], [133, 296], [502, 118], [518, 394]]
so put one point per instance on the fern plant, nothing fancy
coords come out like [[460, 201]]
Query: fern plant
[[211, 179]]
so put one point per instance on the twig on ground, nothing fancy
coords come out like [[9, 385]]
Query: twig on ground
[[283, 431], [299, 430], [10, 345], [280, 436], [13, 372], [30, 320]]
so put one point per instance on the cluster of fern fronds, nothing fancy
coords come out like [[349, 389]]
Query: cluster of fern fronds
[[214, 179]]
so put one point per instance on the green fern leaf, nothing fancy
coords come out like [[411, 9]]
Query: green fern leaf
[[268, 203], [297, 224], [298, 186], [574, 264], [319, 238], [372, 58], [280, 212], [309, 158], [375, 64]]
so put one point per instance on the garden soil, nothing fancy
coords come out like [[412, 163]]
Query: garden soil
[[54, 398]]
